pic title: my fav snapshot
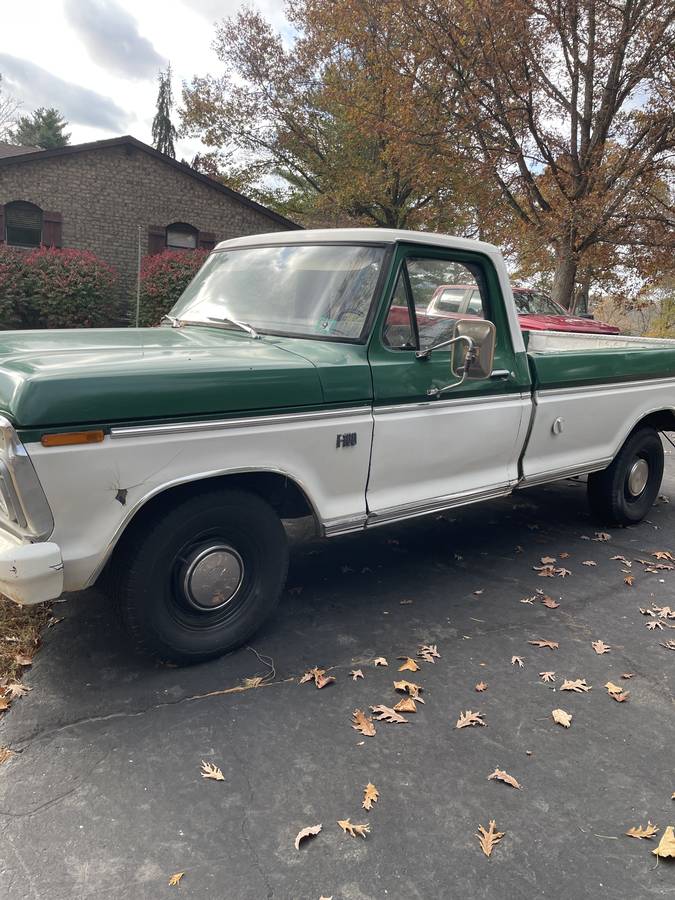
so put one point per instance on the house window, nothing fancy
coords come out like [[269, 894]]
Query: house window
[[23, 224], [181, 236]]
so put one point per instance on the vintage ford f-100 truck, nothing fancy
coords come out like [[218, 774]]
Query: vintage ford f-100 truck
[[300, 374]]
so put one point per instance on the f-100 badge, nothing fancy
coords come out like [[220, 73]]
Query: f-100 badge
[[345, 440]]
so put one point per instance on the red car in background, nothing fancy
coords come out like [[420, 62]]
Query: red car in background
[[536, 311]]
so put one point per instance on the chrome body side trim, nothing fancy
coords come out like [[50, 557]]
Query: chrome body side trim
[[605, 385], [244, 422], [445, 404], [571, 472], [437, 504]]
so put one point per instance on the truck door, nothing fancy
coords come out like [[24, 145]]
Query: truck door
[[463, 445]]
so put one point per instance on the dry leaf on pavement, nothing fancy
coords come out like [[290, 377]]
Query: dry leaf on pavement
[[669, 645], [549, 602], [517, 661], [600, 647], [407, 704], [353, 830], [16, 689], [561, 717], [362, 723], [209, 770], [175, 879], [310, 831], [666, 844], [370, 796], [356, 673], [318, 676], [469, 718], [409, 665], [589, 562], [628, 675], [488, 839], [639, 832], [429, 652], [602, 536], [387, 714], [629, 579], [620, 698], [5, 754], [548, 560], [409, 687], [480, 687], [663, 554], [613, 688], [501, 775], [579, 685], [552, 645], [547, 676], [22, 660], [380, 661]]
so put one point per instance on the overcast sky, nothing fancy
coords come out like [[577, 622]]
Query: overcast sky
[[97, 60]]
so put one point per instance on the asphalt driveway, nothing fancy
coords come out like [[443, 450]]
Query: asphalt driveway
[[104, 798]]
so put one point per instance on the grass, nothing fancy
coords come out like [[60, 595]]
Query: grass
[[20, 628]]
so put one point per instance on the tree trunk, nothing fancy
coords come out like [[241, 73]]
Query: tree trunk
[[563, 280]]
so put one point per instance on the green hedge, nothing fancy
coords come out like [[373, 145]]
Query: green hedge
[[50, 288], [164, 277]]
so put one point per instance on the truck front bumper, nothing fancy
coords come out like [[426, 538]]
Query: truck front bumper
[[30, 573]]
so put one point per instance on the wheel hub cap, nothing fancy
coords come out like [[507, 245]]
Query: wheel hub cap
[[638, 477], [212, 576]]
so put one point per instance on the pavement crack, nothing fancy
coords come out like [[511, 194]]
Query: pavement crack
[[250, 843], [53, 800]]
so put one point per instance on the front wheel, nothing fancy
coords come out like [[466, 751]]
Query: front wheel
[[202, 577], [624, 493]]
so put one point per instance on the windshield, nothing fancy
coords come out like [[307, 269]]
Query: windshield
[[536, 303], [315, 290]]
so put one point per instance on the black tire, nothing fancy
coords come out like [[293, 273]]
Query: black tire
[[613, 497], [158, 582]]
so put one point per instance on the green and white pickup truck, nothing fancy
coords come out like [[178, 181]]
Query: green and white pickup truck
[[300, 374]]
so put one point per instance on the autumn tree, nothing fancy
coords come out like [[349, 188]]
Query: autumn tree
[[44, 128], [569, 108], [326, 128], [163, 130]]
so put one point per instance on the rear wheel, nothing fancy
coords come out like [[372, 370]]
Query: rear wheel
[[624, 493], [202, 577]]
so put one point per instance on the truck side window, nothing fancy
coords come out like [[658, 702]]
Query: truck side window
[[443, 291], [399, 331]]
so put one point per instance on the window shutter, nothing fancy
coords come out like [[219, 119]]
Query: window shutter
[[52, 223], [2, 224], [156, 239], [207, 240]]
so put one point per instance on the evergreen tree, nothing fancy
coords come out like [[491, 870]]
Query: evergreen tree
[[163, 131], [43, 129]]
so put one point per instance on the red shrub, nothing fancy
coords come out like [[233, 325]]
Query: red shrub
[[164, 277]]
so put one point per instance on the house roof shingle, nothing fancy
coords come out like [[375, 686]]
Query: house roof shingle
[[31, 154]]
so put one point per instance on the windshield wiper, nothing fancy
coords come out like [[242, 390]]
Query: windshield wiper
[[175, 323], [244, 327]]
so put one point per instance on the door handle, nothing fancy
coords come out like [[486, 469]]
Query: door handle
[[503, 374]]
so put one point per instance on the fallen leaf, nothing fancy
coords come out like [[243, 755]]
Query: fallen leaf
[[407, 704], [564, 555], [318, 676], [639, 832], [517, 661], [602, 536], [669, 645], [666, 844], [322, 680], [429, 652], [600, 647], [549, 602], [22, 660], [380, 661], [652, 626], [629, 579], [5, 754], [548, 560], [362, 723], [209, 770], [387, 714], [370, 796], [628, 675], [501, 775], [4, 704], [488, 839], [175, 879], [620, 698], [552, 645], [547, 676], [663, 554], [563, 573], [589, 562], [52, 621], [613, 688], [409, 665], [579, 685], [356, 673], [480, 687], [16, 689], [409, 687], [561, 717], [353, 830], [310, 831], [469, 718], [622, 559]]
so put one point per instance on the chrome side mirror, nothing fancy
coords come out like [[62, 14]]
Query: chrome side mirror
[[472, 359]]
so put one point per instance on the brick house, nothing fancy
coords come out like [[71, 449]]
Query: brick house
[[95, 197]]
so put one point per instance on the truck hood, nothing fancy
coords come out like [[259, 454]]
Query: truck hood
[[539, 322], [66, 377]]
